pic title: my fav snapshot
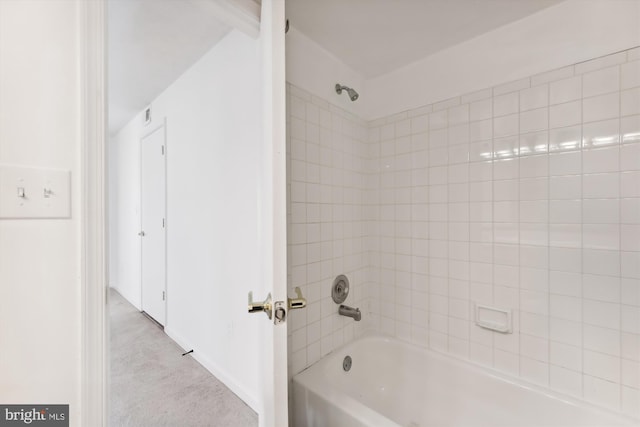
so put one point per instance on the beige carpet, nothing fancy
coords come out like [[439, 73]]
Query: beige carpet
[[153, 385]]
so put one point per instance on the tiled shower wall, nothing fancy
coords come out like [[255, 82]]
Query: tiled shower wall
[[526, 197], [327, 228]]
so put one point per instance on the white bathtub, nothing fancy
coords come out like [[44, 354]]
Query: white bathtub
[[392, 383]]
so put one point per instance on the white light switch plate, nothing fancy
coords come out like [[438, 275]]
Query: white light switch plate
[[46, 193]]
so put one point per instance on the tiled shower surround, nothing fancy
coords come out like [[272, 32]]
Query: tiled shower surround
[[524, 196], [328, 225]]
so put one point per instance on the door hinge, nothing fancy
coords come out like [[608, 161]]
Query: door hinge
[[163, 295], [162, 222], [163, 150]]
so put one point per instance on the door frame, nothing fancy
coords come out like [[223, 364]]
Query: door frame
[[94, 244], [94, 386], [162, 125]]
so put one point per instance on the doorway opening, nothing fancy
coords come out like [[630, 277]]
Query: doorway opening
[[186, 208]]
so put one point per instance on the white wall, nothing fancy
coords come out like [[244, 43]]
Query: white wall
[[570, 32], [40, 259], [214, 160]]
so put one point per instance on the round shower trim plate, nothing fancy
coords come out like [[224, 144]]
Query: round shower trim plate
[[340, 289]]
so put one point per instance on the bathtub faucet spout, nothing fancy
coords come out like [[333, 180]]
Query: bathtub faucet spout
[[345, 310]]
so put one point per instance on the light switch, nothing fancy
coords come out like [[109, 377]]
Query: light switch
[[27, 192], [56, 191]]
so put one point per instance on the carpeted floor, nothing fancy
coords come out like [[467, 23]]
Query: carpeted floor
[[153, 385]]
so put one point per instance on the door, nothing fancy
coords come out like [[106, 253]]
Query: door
[[272, 363], [152, 230]]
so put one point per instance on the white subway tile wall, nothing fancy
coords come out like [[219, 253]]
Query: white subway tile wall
[[327, 170], [525, 197]]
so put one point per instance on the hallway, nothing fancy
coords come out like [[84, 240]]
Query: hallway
[[153, 385]]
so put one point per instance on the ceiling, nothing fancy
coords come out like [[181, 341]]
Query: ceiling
[[151, 43], [375, 37]]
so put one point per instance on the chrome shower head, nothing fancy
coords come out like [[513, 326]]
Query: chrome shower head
[[353, 95]]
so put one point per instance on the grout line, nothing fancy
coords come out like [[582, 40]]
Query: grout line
[[493, 228], [519, 245], [620, 387], [581, 142], [548, 224], [471, 321], [447, 204]]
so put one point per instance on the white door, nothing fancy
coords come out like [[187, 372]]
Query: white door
[[273, 358], [153, 208]]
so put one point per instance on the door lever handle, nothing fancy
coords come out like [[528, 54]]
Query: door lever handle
[[266, 306], [298, 302], [269, 307]]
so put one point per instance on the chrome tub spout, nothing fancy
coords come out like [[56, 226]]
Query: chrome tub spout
[[345, 310]]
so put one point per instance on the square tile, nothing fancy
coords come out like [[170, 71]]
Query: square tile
[[601, 81], [534, 143], [601, 134], [534, 120], [566, 380], [601, 186], [565, 139], [505, 104], [481, 110], [601, 211], [602, 262], [630, 129], [602, 340], [569, 163], [601, 107], [630, 101], [565, 90], [630, 75], [602, 366], [505, 125], [535, 97], [601, 160]]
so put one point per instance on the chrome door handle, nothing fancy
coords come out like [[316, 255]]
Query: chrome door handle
[[265, 306], [298, 302], [141, 234], [279, 308]]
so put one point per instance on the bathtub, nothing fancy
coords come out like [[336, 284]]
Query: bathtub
[[394, 384]]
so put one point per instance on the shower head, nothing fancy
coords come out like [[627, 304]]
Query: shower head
[[353, 95]]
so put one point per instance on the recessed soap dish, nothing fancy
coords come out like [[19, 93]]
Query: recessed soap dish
[[494, 319]]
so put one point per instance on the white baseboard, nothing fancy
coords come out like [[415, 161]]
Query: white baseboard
[[215, 370]]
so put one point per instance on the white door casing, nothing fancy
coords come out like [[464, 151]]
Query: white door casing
[[153, 224], [92, 17]]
